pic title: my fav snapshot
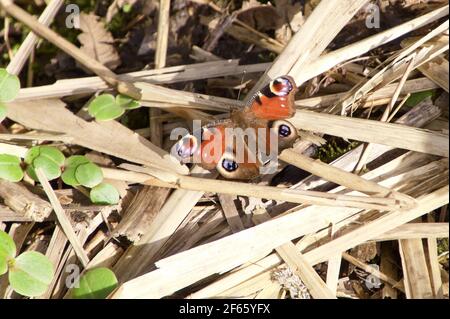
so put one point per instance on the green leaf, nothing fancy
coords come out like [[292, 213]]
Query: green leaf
[[418, 97], [48, 158], [75, 160], [127, 102], [104, 108], [10, 168], [31, 154], [3, 112], [3, 264], [31, 274], [32, 173], [53, 154], [127, 7], [50, 168], [104, 194], [97, 283], [72, 163], [9, 86], [89, 175], [7, 251]]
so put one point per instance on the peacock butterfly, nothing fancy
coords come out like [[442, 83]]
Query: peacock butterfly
[[246, 144]]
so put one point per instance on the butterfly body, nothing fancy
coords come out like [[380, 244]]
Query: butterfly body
[[253, 136]]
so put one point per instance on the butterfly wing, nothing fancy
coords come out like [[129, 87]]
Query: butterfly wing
[[259, 133], [275, 101]]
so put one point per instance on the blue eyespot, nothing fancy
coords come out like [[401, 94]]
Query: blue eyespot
[[284, 130], [186, 146], [229, 165]]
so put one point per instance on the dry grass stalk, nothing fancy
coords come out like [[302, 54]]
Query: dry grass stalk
[[69, 48], [382, 224], [437, 71], [311, 40], [433, 262], [162, 41], [329, 60], [268, 192], [34, 137], [25, 203], [415, 270], [107, 257], [231, 213], [386, 114], [295, 260], [139, 258], [70, 258], [54, 253], [141, 212], [394, 135], [334, 216], [418, 116], [380, 96], [155, 93], [396, 65], [333, 270], [416, 230], [167, 75], [8, 215], [249, 288], [341, 177], [62, 218], [27, 46], [184, 267]]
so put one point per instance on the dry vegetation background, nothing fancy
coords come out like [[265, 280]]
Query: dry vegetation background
[[361, 197]]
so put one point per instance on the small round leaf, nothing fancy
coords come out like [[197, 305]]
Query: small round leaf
[[3, 264], [53, 154], [9, 86], [75, 160], [105, 108], [104, 194], [127, 102], [89, 175], [10, 168], [50, 168], [31, 154], [97, 283], [7, 251], [31, 274], [48, 158], [72, 163]]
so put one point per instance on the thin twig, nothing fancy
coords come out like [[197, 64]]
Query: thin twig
[[62, 218]]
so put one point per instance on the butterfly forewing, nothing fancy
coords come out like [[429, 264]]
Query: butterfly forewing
[[275, 101]]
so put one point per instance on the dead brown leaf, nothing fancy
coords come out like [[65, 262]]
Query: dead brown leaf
[[259, 16], [292, 19], [97, 41]]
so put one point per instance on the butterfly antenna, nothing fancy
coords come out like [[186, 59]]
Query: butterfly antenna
[[240, 86]]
